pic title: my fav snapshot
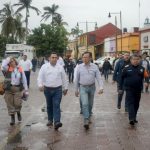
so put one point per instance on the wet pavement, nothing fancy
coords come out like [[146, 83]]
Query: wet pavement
[[109, 129]]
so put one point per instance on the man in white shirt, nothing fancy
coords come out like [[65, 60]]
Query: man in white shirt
[[53, 81], [27, 67]]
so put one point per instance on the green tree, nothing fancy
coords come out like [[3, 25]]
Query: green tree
[[59, 21], [47, 38], [26, 4], [76, 32], [20, 30], [50, 12], [7, 20]]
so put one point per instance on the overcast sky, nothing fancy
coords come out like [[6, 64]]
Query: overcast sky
[[74, 11]]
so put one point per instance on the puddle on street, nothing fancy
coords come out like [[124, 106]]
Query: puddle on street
[[13, 142]]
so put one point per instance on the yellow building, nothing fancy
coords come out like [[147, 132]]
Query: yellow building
[[130, 42]]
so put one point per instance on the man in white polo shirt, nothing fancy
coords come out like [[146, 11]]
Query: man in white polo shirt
[[27, 67]]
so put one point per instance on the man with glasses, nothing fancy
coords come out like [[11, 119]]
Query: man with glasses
[[85, 84]]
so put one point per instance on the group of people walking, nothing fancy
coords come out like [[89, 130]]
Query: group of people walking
[[129, 72]]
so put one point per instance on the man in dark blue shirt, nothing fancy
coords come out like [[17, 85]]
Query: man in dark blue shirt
[[131, 81]]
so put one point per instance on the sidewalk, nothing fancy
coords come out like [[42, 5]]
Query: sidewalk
[[109, 129]]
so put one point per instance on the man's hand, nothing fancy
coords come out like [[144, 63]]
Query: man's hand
[[100, 91], [77, 94], [65, 92], [41, 88]]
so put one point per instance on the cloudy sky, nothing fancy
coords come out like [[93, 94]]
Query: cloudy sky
[[74, 11]]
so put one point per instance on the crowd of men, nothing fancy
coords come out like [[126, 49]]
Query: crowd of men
[[131, 73]]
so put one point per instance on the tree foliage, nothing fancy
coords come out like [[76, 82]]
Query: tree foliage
[[47, 38], [11, 24]]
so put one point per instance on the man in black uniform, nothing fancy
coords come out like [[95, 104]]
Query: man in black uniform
[[131, 80]]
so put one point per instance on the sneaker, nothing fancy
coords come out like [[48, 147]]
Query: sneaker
[[86, 124], [58, 125], [132, 122], [50, 123], [19, 116]]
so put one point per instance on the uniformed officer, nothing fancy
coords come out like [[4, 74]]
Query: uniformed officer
[[131, 81]]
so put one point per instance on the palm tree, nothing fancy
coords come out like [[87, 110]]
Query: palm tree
[[26, 4], [50, 12], [7, 20], [20, 30], [59, 21], [75, 31]]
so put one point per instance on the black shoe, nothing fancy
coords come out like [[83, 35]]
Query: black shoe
[[58, 125], [86, 124], [12, 120], [119, 107], [50, 123], [132, 122], [19, 116], [81, 112], [135, 121]]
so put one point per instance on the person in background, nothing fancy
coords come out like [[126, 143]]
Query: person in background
[[131, 81], [85, 85], [52, 80], [34, 64], [27, 67], [145, 63], [70, 70], [60, 61], [66, 63], [15, 82], [116, 77], [120, 56], [106, 68]]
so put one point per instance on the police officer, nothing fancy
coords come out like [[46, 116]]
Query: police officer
[[131, 81]]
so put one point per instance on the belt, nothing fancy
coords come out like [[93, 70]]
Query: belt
[[52, 87], [15, 85], [88, 85]]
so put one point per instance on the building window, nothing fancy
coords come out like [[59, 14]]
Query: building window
[[92, 39], [145, 39]]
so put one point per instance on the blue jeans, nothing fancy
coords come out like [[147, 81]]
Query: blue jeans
[[87, 98], [53, 99]]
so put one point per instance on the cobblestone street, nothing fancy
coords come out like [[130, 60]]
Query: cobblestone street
[[109, 129]]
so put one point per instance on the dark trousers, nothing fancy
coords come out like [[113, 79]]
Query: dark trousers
[[71, 76], [133, 100], [53, 99], [27, 74], [106, 73], [120, 96]]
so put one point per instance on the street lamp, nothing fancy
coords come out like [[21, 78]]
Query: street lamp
[[86, 22], [118, 13]]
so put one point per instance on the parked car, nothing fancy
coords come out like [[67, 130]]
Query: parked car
[[101, 60]]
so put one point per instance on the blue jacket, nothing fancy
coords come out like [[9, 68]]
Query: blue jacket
[[118, 69], [132, 78]]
